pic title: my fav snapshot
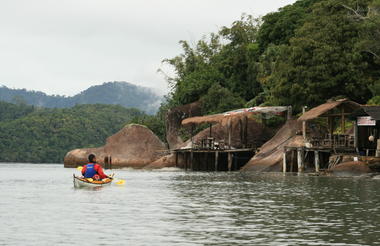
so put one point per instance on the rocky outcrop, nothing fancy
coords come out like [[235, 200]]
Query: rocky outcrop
[[269, 158], [133, 146], [352, 168], [165, 161]]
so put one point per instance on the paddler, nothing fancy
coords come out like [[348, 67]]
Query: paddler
[[93, 170]]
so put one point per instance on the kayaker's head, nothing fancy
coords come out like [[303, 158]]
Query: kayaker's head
[[92, 158]]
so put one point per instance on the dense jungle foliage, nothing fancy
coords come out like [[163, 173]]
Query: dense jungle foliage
[[30, 134], [303, 54]]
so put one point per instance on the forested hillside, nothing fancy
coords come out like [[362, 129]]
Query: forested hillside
[[303, 54], [120, 93], [28, 134]]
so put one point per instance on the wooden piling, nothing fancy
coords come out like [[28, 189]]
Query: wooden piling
[[316, 161], [229, 161], [176, 159], [191, 159], [185, 160], [304, 123], [300, 160], [216, 160], [284, 162]]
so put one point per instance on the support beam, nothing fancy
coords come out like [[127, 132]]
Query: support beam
[[300, 160], [245, 131], [229, 133], [191, 159], [186, 160], [229, 161], [176, 159], [331, 129], [343, 122], [356, 135], [191, 134], [316, 161], [304, 123], [241, 132], [284, 162], [290, 112], [216, 160]]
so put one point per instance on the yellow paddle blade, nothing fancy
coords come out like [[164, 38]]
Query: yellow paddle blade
[[120, 182], [79, 168]]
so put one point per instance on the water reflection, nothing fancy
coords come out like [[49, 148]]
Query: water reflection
[[185, 208], [273, 209]]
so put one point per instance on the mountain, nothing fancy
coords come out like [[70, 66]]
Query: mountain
[[41, 135], [119, 93]]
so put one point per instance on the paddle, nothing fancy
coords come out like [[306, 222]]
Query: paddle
[[118, 182]]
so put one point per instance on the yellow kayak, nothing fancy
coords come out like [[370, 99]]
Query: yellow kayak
[[80, 182]]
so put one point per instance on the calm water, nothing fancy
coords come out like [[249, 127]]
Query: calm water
[[39, 206]]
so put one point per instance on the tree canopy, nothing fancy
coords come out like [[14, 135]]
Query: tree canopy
[[303, 54]]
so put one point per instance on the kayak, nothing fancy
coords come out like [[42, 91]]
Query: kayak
[[84, 182]]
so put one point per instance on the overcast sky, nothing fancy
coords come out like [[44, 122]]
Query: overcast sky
[[65, 46]]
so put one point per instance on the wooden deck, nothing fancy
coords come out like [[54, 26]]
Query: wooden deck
[[213, 159], [302, 154]]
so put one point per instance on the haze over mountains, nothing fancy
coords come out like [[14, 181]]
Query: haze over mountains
[[120, 93]]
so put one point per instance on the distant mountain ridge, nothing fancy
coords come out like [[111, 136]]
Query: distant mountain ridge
[[117, 92]]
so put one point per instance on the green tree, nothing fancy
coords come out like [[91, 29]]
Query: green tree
[[321, 61]]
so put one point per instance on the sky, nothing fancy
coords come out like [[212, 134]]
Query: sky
[[65, 46]]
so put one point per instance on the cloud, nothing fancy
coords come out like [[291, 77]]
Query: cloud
[[62, 47]]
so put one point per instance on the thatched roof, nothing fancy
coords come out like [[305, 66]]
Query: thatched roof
[[373, 111], [235, 114], [320, 110]]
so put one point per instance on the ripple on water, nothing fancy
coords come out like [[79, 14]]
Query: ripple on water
[[171, 207]]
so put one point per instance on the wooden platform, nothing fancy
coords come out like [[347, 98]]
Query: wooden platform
[[303, 152], [213, 159]]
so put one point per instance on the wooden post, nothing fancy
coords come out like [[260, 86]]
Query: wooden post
[[191, 160], [241, 131], [229, 161], [316, 161], [216, 160], [191, 134], [246, 132], [343, 122], [331, 129], [185, 159], [284, 161], [229, 133], [356, 135], [300, 160], [210, 130], [304, 123], [289, 116], [176, 159]]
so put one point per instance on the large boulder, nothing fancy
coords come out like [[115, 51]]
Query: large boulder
[[133, 146], [165, 161], [352, 168], [269, 158]]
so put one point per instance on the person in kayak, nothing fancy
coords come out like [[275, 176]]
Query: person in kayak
[[93, 169]]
